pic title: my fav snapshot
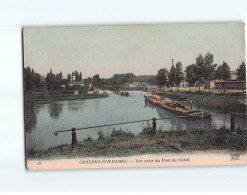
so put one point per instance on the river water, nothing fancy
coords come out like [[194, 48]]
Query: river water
[[43, 119]]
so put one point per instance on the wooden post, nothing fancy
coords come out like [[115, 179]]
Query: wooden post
[[232, 121], [154, 126], [191, 104], [74, 140]]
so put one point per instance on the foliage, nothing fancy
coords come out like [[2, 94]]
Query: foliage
[[172, 76], [32, 80], [242, 72], [164, 142], [161, 77], [223, 72], [147, 129], [150, 79], [178, 74], [191, 76], [96, 80], [120, 79], [205, 69], [121, 133], [76, 76], [53, 82], [69, 77]]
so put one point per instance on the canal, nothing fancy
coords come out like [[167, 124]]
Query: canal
[[43, 119]]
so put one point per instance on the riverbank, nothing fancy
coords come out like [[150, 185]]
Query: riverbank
[[121, 144], [123, 88], [53, 98], [132, 89], [224, 103]]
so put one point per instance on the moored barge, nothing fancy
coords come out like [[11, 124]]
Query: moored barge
[[122, 93], [178, 109]]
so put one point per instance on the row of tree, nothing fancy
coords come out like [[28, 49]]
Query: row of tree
[[170, 78], [75, 76], [52, 82], [32, 80], [202, 72]]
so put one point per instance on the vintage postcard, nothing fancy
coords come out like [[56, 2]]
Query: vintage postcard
[[134, 96]]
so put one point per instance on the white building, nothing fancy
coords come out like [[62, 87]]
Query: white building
[[74, 83], [184, 84], [234, 75]]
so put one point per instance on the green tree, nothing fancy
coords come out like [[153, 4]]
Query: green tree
[[242, 72], [80, 77], [172, 76], [151, 80], [205, 69], [96, 80], [120, 79], [73, 74], [161, 77], [191, 76], [77, 76], [209, 68], [199, 70], [69, 77], [49, 80], [53, 82], [32, 80], [241, 76], [223, 73], [178, 74], [87, 82]]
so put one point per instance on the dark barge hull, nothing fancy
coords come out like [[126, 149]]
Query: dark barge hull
[[177, 112], [122, 93]]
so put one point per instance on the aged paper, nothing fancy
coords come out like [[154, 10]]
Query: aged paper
[[135, 96]]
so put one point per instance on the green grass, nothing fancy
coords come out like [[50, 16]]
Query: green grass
[[120, 144], [224, 103]]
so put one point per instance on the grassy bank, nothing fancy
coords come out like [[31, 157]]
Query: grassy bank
[[54, 98], [120, 143], [224, 103]]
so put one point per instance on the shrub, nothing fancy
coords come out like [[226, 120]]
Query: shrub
[[147, 130], [121, 133]]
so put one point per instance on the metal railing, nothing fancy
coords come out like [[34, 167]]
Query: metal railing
[[154, 128]]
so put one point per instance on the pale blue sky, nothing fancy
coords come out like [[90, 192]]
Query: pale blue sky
[[140, 49]]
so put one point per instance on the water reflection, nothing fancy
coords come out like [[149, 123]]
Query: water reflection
[[30, 116], [42, 120], [55, 109], [179, 123], [76, 105]]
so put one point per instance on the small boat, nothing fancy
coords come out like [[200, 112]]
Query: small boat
[[178, 108], [122, 93]]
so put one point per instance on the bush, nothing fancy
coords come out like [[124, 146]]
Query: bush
[[147, 130], [121, 133]]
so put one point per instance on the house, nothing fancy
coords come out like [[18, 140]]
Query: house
[[234, 75], [76, 92], [76, 83], [90, 87], [230, 84], [184, 84], [90, 92]]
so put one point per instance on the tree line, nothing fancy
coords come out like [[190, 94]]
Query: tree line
[[52, 81], [55, 81], [201, 72]]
